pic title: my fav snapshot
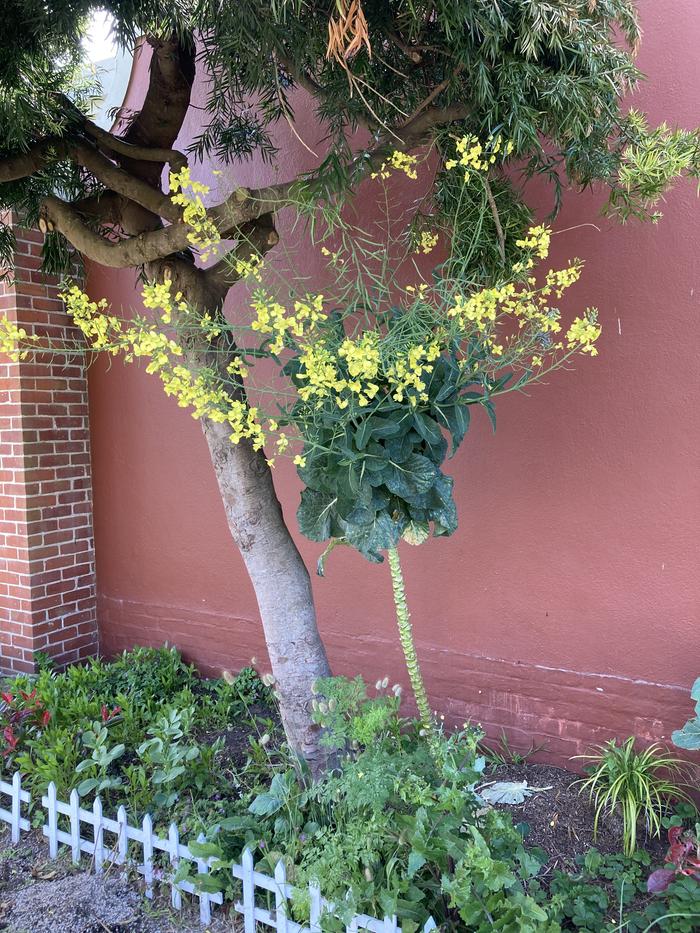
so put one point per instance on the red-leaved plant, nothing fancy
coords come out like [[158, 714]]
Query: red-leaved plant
[[683, 854], [21, 715], [109, 714]]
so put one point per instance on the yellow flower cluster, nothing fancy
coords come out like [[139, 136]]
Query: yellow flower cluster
[[273, 318], [558, 280], [202, 390], [474, 156], [99, 328], [484, 310], [362, 359], [427, 242], [364, 375], [156, 295], [584, 332], [405, 375], [12, 338], [537, 239], [401, 162], [483, 307], [249, 268], [320, 370], [187, 193], [320, 374]]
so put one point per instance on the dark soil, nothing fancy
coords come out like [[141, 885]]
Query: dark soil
[[260, 720], [560, 819]]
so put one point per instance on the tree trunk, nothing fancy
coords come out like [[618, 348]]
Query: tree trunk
[[281, 583]]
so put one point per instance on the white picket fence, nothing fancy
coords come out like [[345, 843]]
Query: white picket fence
[[116, 841]]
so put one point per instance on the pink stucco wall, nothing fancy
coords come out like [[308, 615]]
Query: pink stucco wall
[[566, 606]]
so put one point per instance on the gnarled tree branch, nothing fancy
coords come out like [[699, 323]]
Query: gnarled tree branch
[[124, 183], [121, 147], [24, 164], [240, 208]]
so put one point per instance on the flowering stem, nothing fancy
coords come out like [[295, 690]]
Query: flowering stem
[[403, 620]]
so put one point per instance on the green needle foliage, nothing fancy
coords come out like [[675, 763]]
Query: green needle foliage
[[634, 785], [548, 76]]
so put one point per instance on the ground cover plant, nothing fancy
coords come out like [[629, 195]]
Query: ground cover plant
[[387, 79], [398, 827]]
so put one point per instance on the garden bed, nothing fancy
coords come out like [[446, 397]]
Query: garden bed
[[560, 819], [396, 829]]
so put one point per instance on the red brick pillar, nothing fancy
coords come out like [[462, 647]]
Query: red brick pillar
[[47, 557]]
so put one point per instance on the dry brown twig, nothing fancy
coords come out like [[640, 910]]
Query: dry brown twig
[[348, 33]]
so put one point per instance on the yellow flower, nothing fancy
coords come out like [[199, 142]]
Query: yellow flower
[[187, 193], [584, 332], [401, 161], [299, 461], [537, 239], [427, 241], [203, 390]]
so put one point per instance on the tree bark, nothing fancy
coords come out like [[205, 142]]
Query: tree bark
[[281, 583]]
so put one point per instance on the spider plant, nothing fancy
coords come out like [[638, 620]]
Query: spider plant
[[635, 783]]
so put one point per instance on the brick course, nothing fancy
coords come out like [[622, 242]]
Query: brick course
[[47, 554]]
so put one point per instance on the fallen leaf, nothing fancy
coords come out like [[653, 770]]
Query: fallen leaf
[[508, 792]]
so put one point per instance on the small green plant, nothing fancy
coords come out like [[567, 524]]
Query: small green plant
[[635, 784], [349, 717], [98, 765], [144, 730], [170, 761]]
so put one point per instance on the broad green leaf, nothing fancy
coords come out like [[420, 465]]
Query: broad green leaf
[[444, 512], [689, 736], [313, 514], [86, 786], [205, 850], [490, 411], [413, 477], [265, 804], [428, 428], [415, 862], [210, 884], [458, 418], [377, 536]]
